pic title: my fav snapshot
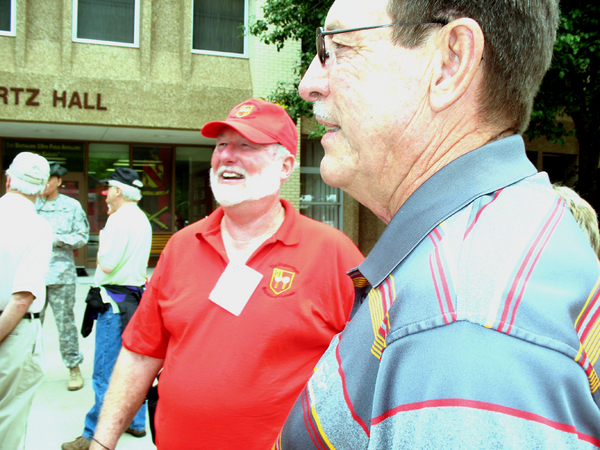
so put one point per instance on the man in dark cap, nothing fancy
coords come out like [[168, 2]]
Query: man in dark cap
[[71, 231], [123, 252], [241, 304]]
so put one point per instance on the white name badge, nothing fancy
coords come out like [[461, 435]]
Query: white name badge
[[235, 287]]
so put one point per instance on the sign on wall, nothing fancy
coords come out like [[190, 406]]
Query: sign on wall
[[57, 99], [68, 154]]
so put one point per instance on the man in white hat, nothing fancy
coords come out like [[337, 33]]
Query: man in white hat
[[25, 248]]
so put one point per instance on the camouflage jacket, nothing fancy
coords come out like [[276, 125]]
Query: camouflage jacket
[[71, 231]]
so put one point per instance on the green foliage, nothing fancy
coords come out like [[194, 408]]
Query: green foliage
[[571, 85], [571, 88], [292, 19]]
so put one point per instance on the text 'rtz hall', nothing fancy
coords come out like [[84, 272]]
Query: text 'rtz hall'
[[31, 97]]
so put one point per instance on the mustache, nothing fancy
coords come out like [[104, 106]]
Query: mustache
[[321, 111], [223, 169]]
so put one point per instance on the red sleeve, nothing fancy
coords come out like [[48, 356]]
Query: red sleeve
[[340, 290]]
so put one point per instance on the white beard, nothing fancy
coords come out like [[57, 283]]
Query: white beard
[[257, 186]]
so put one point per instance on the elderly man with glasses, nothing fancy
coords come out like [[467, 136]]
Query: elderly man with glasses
[[477, 322]]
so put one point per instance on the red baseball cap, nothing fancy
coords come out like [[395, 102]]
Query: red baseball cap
[[260, 122]]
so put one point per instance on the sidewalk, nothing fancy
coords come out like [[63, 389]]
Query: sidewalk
[[57, 414]]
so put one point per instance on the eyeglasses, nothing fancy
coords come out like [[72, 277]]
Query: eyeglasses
[[324, 54]]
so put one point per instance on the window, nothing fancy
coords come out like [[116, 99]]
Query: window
[[153, 164], [218, 27], [8, 17], [318, 200], [193, 197], [102, 160], [113, 22]]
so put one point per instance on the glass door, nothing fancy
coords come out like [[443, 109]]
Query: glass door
[[73, 185]]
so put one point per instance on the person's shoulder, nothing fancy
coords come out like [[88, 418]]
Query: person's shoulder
[[127, 212], [189, 231], [69, 201]]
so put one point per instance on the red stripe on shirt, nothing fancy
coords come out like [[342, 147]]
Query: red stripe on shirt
[[347, 398], [484, 406], [589, 309], [479, 213], [308, 422], [443, 280], [590, 325], [523, 267], [537, 258]]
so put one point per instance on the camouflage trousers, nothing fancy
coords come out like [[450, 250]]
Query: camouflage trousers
[[61, 298]]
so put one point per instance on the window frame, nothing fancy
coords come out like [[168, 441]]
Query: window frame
[[136, 29], [216, 53], [339, 204], [13, 20]]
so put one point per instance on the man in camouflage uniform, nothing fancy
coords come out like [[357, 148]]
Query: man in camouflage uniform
[[71, 231]]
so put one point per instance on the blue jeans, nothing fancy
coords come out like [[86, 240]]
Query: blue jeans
[[108, 346]]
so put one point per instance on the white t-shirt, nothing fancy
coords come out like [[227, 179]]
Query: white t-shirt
[[25, 249], [125, 245]]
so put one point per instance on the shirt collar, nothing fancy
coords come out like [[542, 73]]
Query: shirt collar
[[479, 172], [287, 233], [21, 202]]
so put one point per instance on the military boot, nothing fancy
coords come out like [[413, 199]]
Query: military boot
[[76, 381]]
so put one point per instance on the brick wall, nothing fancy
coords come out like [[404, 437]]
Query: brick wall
[[267, 68]]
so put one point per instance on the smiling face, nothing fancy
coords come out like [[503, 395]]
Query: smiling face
[[372, 97], [242, 170]]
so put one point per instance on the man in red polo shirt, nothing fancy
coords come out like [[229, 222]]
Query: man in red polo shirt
[[241, 304]]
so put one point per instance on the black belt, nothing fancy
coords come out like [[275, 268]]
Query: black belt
[[29, 315]]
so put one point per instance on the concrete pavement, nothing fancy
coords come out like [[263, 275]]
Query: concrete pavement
[[57, 414]]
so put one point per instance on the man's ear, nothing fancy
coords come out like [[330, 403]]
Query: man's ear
[[460, 48], [287, 167], [7, 182]]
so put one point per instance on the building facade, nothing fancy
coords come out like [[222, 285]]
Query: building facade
[[98, 84]]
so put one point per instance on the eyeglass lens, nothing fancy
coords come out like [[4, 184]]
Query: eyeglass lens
[[321, 50]]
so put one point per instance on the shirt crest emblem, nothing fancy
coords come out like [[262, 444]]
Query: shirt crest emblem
[[281, 280], [244, 110]]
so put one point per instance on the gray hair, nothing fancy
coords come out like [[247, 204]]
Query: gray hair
[[24, 187], [584, 214], [519, 40], [282, 152], [130, 193]]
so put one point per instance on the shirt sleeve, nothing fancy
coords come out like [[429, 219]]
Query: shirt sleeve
[[79, 233], [112, 244]]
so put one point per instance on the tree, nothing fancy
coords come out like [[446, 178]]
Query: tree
[[570, 87], [292, 19]]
